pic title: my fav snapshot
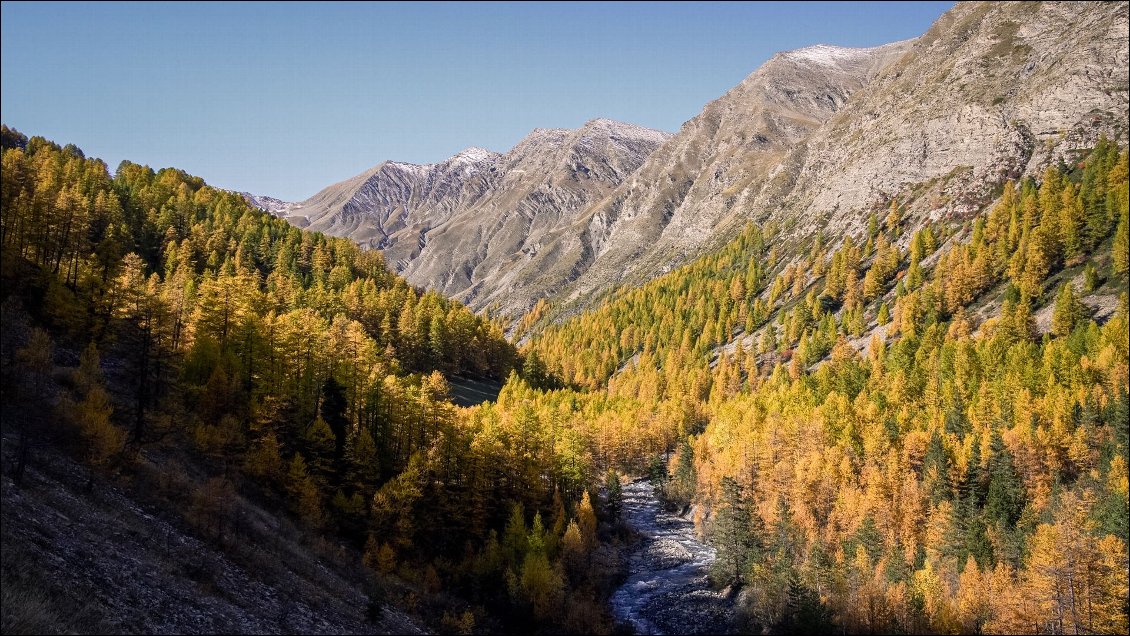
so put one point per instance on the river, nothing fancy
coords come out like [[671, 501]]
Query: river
[[667, 591]]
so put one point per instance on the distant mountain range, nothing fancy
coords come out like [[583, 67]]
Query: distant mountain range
[[815, 139]]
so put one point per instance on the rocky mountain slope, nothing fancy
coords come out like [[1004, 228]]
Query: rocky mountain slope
[[691, 189], [816, 138], [465, 226], [992, 91], [83, 555], [274, 206]]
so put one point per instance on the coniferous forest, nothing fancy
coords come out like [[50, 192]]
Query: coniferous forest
[[962, 468], [146, 311], [846, 352]]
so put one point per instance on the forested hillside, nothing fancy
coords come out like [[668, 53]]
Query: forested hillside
[[847, 352], [148, 315], [892, 431]]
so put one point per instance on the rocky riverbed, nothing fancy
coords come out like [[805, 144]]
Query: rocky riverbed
[[667, 591]]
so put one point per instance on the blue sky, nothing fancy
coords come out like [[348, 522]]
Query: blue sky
[[286, 98]]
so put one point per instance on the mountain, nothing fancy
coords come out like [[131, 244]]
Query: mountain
[[992, 91], [374, 208], [688, 189], [274, 206], [466, 225], [814, 139], [617, 187]]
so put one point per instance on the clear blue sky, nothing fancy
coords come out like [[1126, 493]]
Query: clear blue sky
[[284, 99]]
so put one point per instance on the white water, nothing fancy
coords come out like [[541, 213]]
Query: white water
[[667, 591]]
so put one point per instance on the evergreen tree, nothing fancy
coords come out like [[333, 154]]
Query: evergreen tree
[[683, 481], [732, 535], [1120, 251], [936, 470], [1068, 311], [333, 413], [614, 494], [884, 316], [1004, 499]]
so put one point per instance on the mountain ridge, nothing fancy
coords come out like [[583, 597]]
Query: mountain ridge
[[571, 245], [815, 139], [399, 207]]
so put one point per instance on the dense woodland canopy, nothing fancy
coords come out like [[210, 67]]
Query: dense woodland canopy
[[892, 443], [956, 471], [297, 367]]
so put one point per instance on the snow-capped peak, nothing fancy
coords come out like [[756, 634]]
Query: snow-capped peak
[[410, 167], [271, 205], [830, 55], [474, 154], [611, 127], [827, 54]]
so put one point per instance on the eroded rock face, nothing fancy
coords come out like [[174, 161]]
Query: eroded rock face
[[815, 139], [466, 226], [992, 91], [392, 205], [481, 253], [690, 191]]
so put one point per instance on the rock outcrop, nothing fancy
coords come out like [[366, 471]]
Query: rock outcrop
[[993, 91]]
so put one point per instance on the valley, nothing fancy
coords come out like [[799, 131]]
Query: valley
[[847, 352]]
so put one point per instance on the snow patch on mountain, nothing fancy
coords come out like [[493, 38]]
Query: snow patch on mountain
[[829, 55], [474, 154], [618, 129], [270, 205], [415, 168]]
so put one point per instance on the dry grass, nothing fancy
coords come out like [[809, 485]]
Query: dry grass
[[30, 606]]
